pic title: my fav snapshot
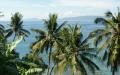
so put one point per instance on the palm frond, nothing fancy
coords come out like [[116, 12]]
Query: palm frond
[[14, 44], [60, 67], [100, 20], [58, 29], [81, 67], [1, 26], [33, 70], [25, 31], [88, 61], [109, 14], [39, 46]]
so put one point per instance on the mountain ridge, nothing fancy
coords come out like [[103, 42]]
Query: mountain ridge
[[67, 18]]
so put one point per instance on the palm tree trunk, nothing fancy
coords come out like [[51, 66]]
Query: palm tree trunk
[[49, 59], [113, 72], [14, 37], [119, 33], [52, 69]]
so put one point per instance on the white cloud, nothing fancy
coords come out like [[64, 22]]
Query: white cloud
[[38, 5], [84, 7], [69, 14], [64, 8], [87, 3], [66, 14]]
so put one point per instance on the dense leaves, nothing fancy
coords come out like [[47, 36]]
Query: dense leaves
[[17, 26], [108, 39], [73, 53], [11, 63], [7, 58], [46, 39]]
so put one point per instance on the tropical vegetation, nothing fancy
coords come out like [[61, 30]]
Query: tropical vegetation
[[16, 27], [65, 46], [46, 39], [73, 53], [108, 39]]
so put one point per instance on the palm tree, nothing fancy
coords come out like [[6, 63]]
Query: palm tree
[[73, 53], [46, 39], [109, 39], [17, 26], [11, 64]]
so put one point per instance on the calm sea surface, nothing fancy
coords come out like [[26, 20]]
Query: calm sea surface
[[24, 46]]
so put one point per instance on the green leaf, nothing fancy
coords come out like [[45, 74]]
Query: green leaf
[[13, 45], [33, 70]]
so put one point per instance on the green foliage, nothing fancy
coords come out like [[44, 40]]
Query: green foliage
[[31, 65], [108, 39], [73, 53], [10, 63], [65, 46], [46, 39], [8, 57], [17, 26]]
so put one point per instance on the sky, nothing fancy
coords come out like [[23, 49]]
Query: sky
[[64, 8]]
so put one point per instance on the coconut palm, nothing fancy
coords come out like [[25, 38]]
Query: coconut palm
[[17, 26], [108, 39], [46, 39], [73, 53]]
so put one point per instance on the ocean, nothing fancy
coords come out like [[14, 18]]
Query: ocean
[[24, 46]]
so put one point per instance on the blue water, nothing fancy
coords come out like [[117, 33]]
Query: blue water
[[24, 46]]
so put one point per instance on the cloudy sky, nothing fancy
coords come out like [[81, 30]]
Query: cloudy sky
[[64, 8]]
